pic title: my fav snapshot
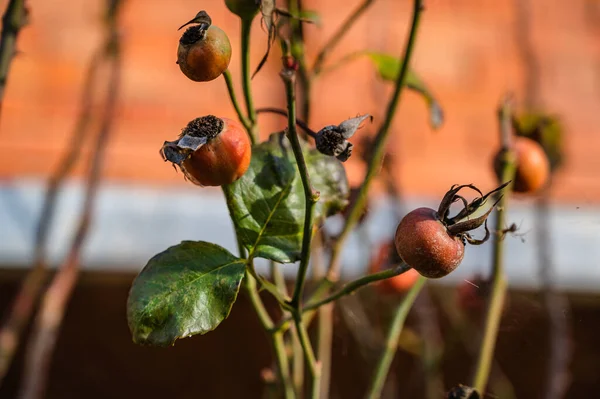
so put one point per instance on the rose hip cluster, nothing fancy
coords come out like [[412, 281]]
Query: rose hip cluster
[[213, 151], [210, 151]]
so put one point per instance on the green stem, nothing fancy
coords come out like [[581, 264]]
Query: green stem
[[313, 367], [238, 110], [257, 303], [13, 20], [297, 50], [391, 347], [297, 356], [461, 330], [297, 362], [283, 112], [356, 284], [277, 342], [499, 285], [265, 319], [246, 77], [306, 87], [310, 199], [283, 300], [378, 146], [315, 303], [324, 347], [324, 336], [338, 35]]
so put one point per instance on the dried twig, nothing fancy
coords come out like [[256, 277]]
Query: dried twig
[[25, 300], [52, 310], [13, 20]]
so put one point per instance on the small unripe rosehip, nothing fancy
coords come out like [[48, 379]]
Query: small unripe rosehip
[[433, 243], [532, 165], [204, 50], [210, 151]]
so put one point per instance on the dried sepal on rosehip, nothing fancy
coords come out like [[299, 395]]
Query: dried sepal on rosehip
[[432, 242], [333, 140], [210, 151], [204, 50]]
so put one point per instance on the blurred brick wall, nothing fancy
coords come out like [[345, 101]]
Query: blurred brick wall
[[467, 52]]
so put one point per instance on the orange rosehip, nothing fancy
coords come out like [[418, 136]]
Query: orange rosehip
[[204, 50], [210, 151], [532, 165]]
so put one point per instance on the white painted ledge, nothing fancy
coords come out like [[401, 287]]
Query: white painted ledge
[[132, 223]]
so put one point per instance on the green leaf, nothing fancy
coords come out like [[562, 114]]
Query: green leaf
[[267, 203], [388, 68], [308, 16], [312, 16], [188, 289]]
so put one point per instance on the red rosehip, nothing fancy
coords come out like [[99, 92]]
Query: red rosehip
[[211, 151], [532, 165], [433, 243], [204, 50], [424, 243]]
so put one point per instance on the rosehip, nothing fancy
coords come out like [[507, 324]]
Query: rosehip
[[424, 243], [210, 151], [532, 165], [204, 50], [433, 243]]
